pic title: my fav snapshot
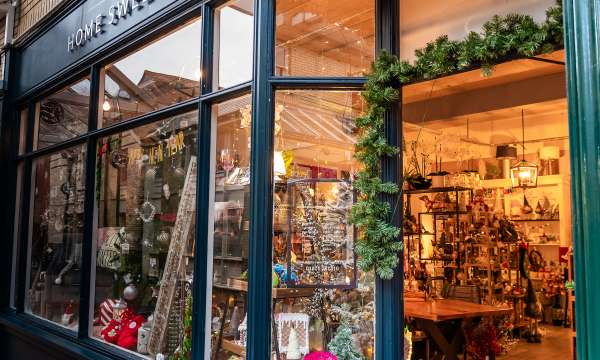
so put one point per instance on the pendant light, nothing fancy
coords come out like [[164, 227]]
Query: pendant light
[[524, 173]]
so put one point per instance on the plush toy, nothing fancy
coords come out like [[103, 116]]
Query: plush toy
[[129, 332], [111, 332]]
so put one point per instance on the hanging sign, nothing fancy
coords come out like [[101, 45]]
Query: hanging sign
[[157, 153]]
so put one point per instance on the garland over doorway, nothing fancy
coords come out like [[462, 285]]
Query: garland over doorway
[[502, 38]]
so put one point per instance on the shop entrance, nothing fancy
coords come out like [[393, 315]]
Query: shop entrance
[[487, 217]]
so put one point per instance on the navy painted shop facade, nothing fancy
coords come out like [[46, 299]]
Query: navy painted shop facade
[[84, 36]]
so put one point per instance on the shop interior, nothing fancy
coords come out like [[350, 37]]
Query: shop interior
[[474, 230]]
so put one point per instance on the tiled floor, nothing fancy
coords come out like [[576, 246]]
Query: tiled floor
[[556, 344]]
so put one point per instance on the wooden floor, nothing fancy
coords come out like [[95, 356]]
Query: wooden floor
[[556, 344]]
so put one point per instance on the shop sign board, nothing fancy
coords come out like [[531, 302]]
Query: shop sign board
[[81, 32]]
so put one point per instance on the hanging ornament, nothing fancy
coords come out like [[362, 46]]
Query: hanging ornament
[[166, 191], [163, 238], [130, 293], [119, 159], [147, 211]]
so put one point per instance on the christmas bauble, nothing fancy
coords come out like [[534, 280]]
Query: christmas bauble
[[130, 292], [163, 238]]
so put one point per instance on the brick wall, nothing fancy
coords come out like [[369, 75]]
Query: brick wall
[[30, 12]]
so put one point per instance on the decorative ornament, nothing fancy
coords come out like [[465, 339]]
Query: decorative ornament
[[163, 238], [67, 189], [105, 312], [119, 159], [166, 191], [147, 211], [342, 344], [131, 292], [142, 340], [119, 310], [293, 348], [67, 318], [51, 112], [526, 208]]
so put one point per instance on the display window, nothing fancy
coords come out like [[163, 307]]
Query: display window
[[321, 302], [229, 216], [56, 237], [146, 196], [152, 77]]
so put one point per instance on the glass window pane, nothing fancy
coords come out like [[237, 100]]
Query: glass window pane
[[324, 37], [56, 236], [146, 197], [234, 26], [230, 174], [62, 115], [162, 73], [317, 285]]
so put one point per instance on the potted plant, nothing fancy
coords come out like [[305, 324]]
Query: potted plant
[[414, 177]]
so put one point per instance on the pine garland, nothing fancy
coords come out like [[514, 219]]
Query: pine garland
[[502, 38]]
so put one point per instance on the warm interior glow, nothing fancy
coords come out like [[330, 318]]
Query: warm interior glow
[[106, 106], [278, 163]]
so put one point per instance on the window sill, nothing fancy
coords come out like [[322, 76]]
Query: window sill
[[59, 345]]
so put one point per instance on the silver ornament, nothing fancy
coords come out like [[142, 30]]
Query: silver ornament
[[163, 237], [130, 292]]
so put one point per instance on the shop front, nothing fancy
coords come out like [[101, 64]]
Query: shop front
[[204, 180]]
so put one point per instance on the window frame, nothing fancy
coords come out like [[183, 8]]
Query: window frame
[[262, 87], [89, 139]]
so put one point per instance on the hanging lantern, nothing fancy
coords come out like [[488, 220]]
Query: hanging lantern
[[524, 173]]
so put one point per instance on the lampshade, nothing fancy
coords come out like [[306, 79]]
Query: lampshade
[[278, 163], [506, 152], [524, 174]]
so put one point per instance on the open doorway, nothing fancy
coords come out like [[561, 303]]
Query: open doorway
[[491, 222]]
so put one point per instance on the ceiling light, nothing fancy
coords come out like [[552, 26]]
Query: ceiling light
[[524, 173]]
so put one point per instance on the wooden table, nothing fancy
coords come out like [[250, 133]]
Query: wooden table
[[429, 315]]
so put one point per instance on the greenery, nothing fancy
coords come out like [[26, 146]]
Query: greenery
[[502, 38], [184, 351], [342, 344]]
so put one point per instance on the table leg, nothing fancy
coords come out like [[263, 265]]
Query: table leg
[[450, 348]]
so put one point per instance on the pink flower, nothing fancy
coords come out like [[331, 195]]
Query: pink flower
[[320, 355]]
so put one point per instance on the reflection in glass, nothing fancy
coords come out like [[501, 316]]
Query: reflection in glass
[[160, 74], [320, 298], [234, 26], [146, 196], [324, 37], [230, 224], [56, 236], [62, 115]]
